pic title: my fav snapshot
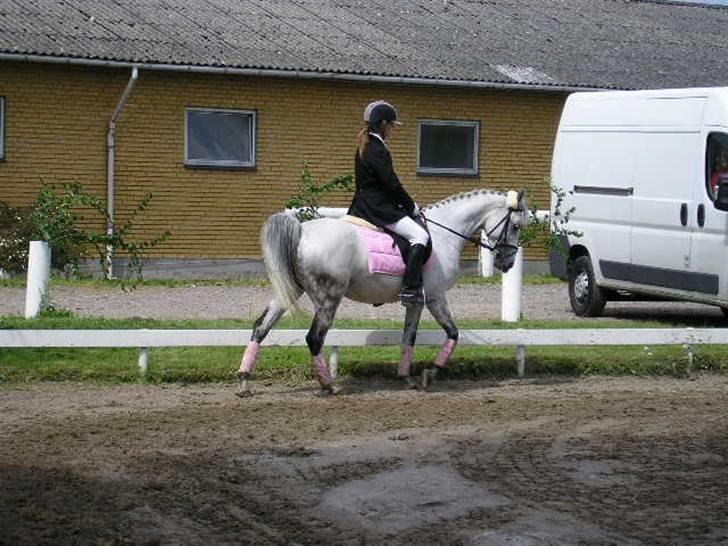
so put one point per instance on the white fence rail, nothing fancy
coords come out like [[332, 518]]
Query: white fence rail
[[519, 338]]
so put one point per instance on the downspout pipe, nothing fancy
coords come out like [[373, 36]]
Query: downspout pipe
[[110, 160]]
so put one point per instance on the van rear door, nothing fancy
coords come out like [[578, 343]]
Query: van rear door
[[591, 163]]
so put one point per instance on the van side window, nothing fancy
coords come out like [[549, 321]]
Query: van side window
[[716, 163]]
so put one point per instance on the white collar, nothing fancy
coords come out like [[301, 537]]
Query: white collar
[[379, 137]]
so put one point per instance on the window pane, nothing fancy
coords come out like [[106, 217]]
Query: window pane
[[447, 147], [716, 162], [214, 137]]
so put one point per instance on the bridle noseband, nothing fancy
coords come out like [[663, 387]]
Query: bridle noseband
[[500, 242]]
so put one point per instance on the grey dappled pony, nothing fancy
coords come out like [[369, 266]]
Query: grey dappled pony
[[327, 259]]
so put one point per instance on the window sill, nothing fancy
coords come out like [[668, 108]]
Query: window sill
[[441, 174], [211, 167]]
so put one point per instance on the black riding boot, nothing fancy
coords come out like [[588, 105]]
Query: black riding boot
[[412, 292]]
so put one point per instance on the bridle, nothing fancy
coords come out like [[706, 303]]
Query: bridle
[[500, 243]]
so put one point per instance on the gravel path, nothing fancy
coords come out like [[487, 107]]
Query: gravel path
[[212, 302]]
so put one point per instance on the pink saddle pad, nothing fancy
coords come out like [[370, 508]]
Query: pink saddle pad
[[384, 255]]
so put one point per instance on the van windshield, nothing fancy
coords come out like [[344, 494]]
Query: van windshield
[[716, 162]]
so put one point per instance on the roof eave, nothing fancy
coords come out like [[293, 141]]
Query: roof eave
[[296, 74]]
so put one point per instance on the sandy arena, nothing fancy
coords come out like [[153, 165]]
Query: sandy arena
[[585, 461]]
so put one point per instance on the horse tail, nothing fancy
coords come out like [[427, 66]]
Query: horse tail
[[279, 240]]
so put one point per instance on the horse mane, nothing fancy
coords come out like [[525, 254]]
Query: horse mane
[[461, 195]]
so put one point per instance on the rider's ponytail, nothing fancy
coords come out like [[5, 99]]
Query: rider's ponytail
[[363, 138]]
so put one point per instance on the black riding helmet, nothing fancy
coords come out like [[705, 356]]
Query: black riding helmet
[[379, 112]]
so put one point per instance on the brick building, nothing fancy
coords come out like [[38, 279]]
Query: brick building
[[230, 100]]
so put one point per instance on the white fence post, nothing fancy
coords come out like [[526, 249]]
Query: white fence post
[[511, 283], [143, 361], [485, 259], [334, 362], [521, 360], [39, 270]]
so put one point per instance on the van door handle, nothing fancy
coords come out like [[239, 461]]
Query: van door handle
[[684, 214], [701, 215]]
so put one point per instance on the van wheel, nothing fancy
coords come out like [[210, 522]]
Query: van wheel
[[587, 299]]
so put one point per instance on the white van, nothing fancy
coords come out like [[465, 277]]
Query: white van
[[643, 171]]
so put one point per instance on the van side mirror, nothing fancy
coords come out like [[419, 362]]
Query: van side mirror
[[721, 202]]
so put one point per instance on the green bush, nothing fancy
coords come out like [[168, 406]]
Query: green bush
[[552, 230], [54, 217], [307, 198], [15, 232]]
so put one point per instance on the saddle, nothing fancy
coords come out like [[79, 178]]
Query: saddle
[[385, 248]]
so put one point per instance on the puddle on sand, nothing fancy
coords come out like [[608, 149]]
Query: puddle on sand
[[405, 498]]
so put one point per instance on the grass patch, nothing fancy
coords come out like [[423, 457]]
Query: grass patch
[[292, 364]]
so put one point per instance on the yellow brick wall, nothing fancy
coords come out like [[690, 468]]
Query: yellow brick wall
[[57, 116]]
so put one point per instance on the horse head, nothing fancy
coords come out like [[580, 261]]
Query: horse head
[[503, 226]]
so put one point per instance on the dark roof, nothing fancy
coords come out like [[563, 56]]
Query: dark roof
[[553, 43]]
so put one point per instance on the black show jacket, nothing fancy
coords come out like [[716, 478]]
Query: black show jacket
[[379, 197]]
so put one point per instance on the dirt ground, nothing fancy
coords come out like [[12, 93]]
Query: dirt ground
[[528, 462]]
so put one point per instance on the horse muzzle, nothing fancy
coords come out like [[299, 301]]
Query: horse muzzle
[[503, 267]]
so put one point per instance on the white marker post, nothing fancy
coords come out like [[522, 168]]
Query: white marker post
[[39, 270], [485, 259], [511, 284]]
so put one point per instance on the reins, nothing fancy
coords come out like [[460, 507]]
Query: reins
[[500, 242]]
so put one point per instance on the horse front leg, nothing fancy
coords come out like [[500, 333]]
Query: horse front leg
[[409, 336], [261, 327], [440, 311]]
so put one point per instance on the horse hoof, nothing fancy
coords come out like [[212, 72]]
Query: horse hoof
[[428, 377], [329, 390], [243, 389], [244, 394], [410, 384]]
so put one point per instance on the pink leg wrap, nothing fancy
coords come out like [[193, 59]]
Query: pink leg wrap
[[321, 370], [405, 360], [250, 356], [445, 352]]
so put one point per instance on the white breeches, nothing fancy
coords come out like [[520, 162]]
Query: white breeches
[[410, 230]]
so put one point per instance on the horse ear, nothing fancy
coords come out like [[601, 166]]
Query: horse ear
[[520, 195]]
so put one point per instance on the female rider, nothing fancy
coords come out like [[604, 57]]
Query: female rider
[[380, 198]]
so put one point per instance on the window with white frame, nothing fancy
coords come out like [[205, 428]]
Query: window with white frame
[[448, 147], [2, 127], [217, 137]]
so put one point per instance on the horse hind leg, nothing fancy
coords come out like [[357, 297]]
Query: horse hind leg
[[262, 325], [327, 299], [440, 311]]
